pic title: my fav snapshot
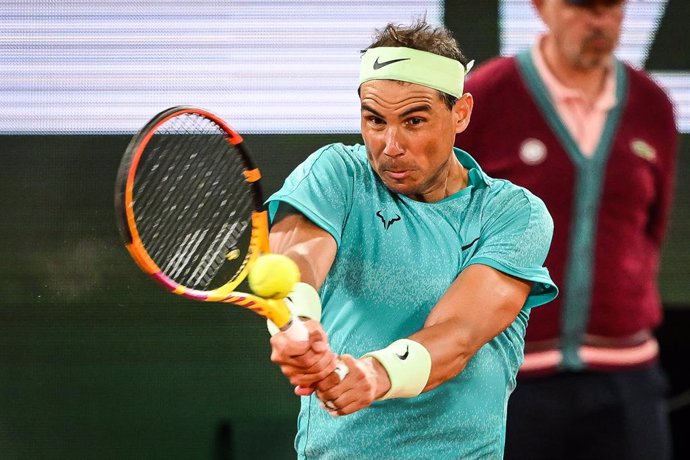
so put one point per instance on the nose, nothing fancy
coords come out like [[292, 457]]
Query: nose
[[599, 14], [393, 147]]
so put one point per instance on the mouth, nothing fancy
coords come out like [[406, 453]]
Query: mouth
[[397, 174], [599, 43]]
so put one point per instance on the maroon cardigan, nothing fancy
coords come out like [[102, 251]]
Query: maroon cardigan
[[631, 210]]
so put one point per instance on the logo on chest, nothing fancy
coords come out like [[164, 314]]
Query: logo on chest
[[643, 150], [388, 220]]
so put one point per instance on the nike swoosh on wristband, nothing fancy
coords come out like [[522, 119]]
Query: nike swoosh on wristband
[[378, 65], [404, 355]]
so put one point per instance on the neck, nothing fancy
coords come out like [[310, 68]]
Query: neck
[[589, 80], [455, 180]]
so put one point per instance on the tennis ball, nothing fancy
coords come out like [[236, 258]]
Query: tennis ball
[[273, 276]]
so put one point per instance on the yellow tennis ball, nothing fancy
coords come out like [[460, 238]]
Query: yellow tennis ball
[[273, 276]]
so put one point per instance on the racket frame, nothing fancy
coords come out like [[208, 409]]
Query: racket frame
[[276, 310]]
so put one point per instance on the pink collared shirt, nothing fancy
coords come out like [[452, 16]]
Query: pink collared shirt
[[585, 122]]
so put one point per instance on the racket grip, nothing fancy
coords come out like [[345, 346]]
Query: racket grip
[[296, 330]]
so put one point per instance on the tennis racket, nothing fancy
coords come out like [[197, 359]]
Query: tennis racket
[[190, 210]]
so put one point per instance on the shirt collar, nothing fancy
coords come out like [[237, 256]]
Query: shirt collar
[[475, 176], [560, 92]]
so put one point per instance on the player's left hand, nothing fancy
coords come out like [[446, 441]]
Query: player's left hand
[[362, 385]]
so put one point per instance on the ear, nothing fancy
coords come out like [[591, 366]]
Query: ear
[[462, 111], [538, 6]]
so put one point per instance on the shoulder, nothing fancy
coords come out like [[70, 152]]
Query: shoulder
[[505, 202], [498, 196], [644, 94], [640, 81], [515, 233], [495, 85], [649, 110]]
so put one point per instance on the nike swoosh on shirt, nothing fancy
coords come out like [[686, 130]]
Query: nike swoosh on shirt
[[378, 65], [469, 245]]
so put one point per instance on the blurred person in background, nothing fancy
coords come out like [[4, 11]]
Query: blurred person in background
[[597, 141]]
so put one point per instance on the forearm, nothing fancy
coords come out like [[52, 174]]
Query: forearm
[[410, 366], [312, 248], [489, 301], [479, 305], [448, 357]]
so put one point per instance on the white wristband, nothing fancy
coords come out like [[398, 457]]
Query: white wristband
[[408, 365], [304, 302]]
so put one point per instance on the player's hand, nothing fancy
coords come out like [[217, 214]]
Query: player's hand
[[366, 381], [304, 363]]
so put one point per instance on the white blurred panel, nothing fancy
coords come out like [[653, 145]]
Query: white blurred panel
[[266, 66]]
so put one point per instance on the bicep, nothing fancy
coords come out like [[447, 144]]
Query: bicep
[[310, 246]]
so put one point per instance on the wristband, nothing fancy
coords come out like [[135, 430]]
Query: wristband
[[304, 302], [408, 365]]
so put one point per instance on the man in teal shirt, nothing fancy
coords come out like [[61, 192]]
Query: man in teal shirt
[[426, 269]]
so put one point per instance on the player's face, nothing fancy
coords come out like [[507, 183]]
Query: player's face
[[585, 36], [409, 133]]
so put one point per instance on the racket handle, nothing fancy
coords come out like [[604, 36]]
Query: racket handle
[[296, 330]]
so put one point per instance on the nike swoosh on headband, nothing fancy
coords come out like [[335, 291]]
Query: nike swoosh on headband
[[378, 65]]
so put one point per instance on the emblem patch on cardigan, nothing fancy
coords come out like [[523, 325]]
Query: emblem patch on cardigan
[[643, 149], [532, 151]]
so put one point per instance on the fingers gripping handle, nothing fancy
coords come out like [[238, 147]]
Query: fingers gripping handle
[[296, 330], [341, 370], [303, 302]]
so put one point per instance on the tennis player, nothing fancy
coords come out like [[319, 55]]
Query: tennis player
[[427, 269]]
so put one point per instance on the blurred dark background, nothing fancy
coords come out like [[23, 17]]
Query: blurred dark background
[[96, 361]]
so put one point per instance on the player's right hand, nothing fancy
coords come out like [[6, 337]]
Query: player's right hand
[[304, 363]]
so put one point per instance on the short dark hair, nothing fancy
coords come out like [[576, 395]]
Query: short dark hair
[[422, 36]]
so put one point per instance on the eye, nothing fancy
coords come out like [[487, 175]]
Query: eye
[[374, 120], [415, 121]]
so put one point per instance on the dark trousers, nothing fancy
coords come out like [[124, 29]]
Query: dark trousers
[[590, 415]]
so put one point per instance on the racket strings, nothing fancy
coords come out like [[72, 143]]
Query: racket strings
[[192, 204], [181, 205], [186, 259]]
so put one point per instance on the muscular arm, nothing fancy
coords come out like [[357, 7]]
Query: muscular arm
[[478, 306], [311, 247]]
